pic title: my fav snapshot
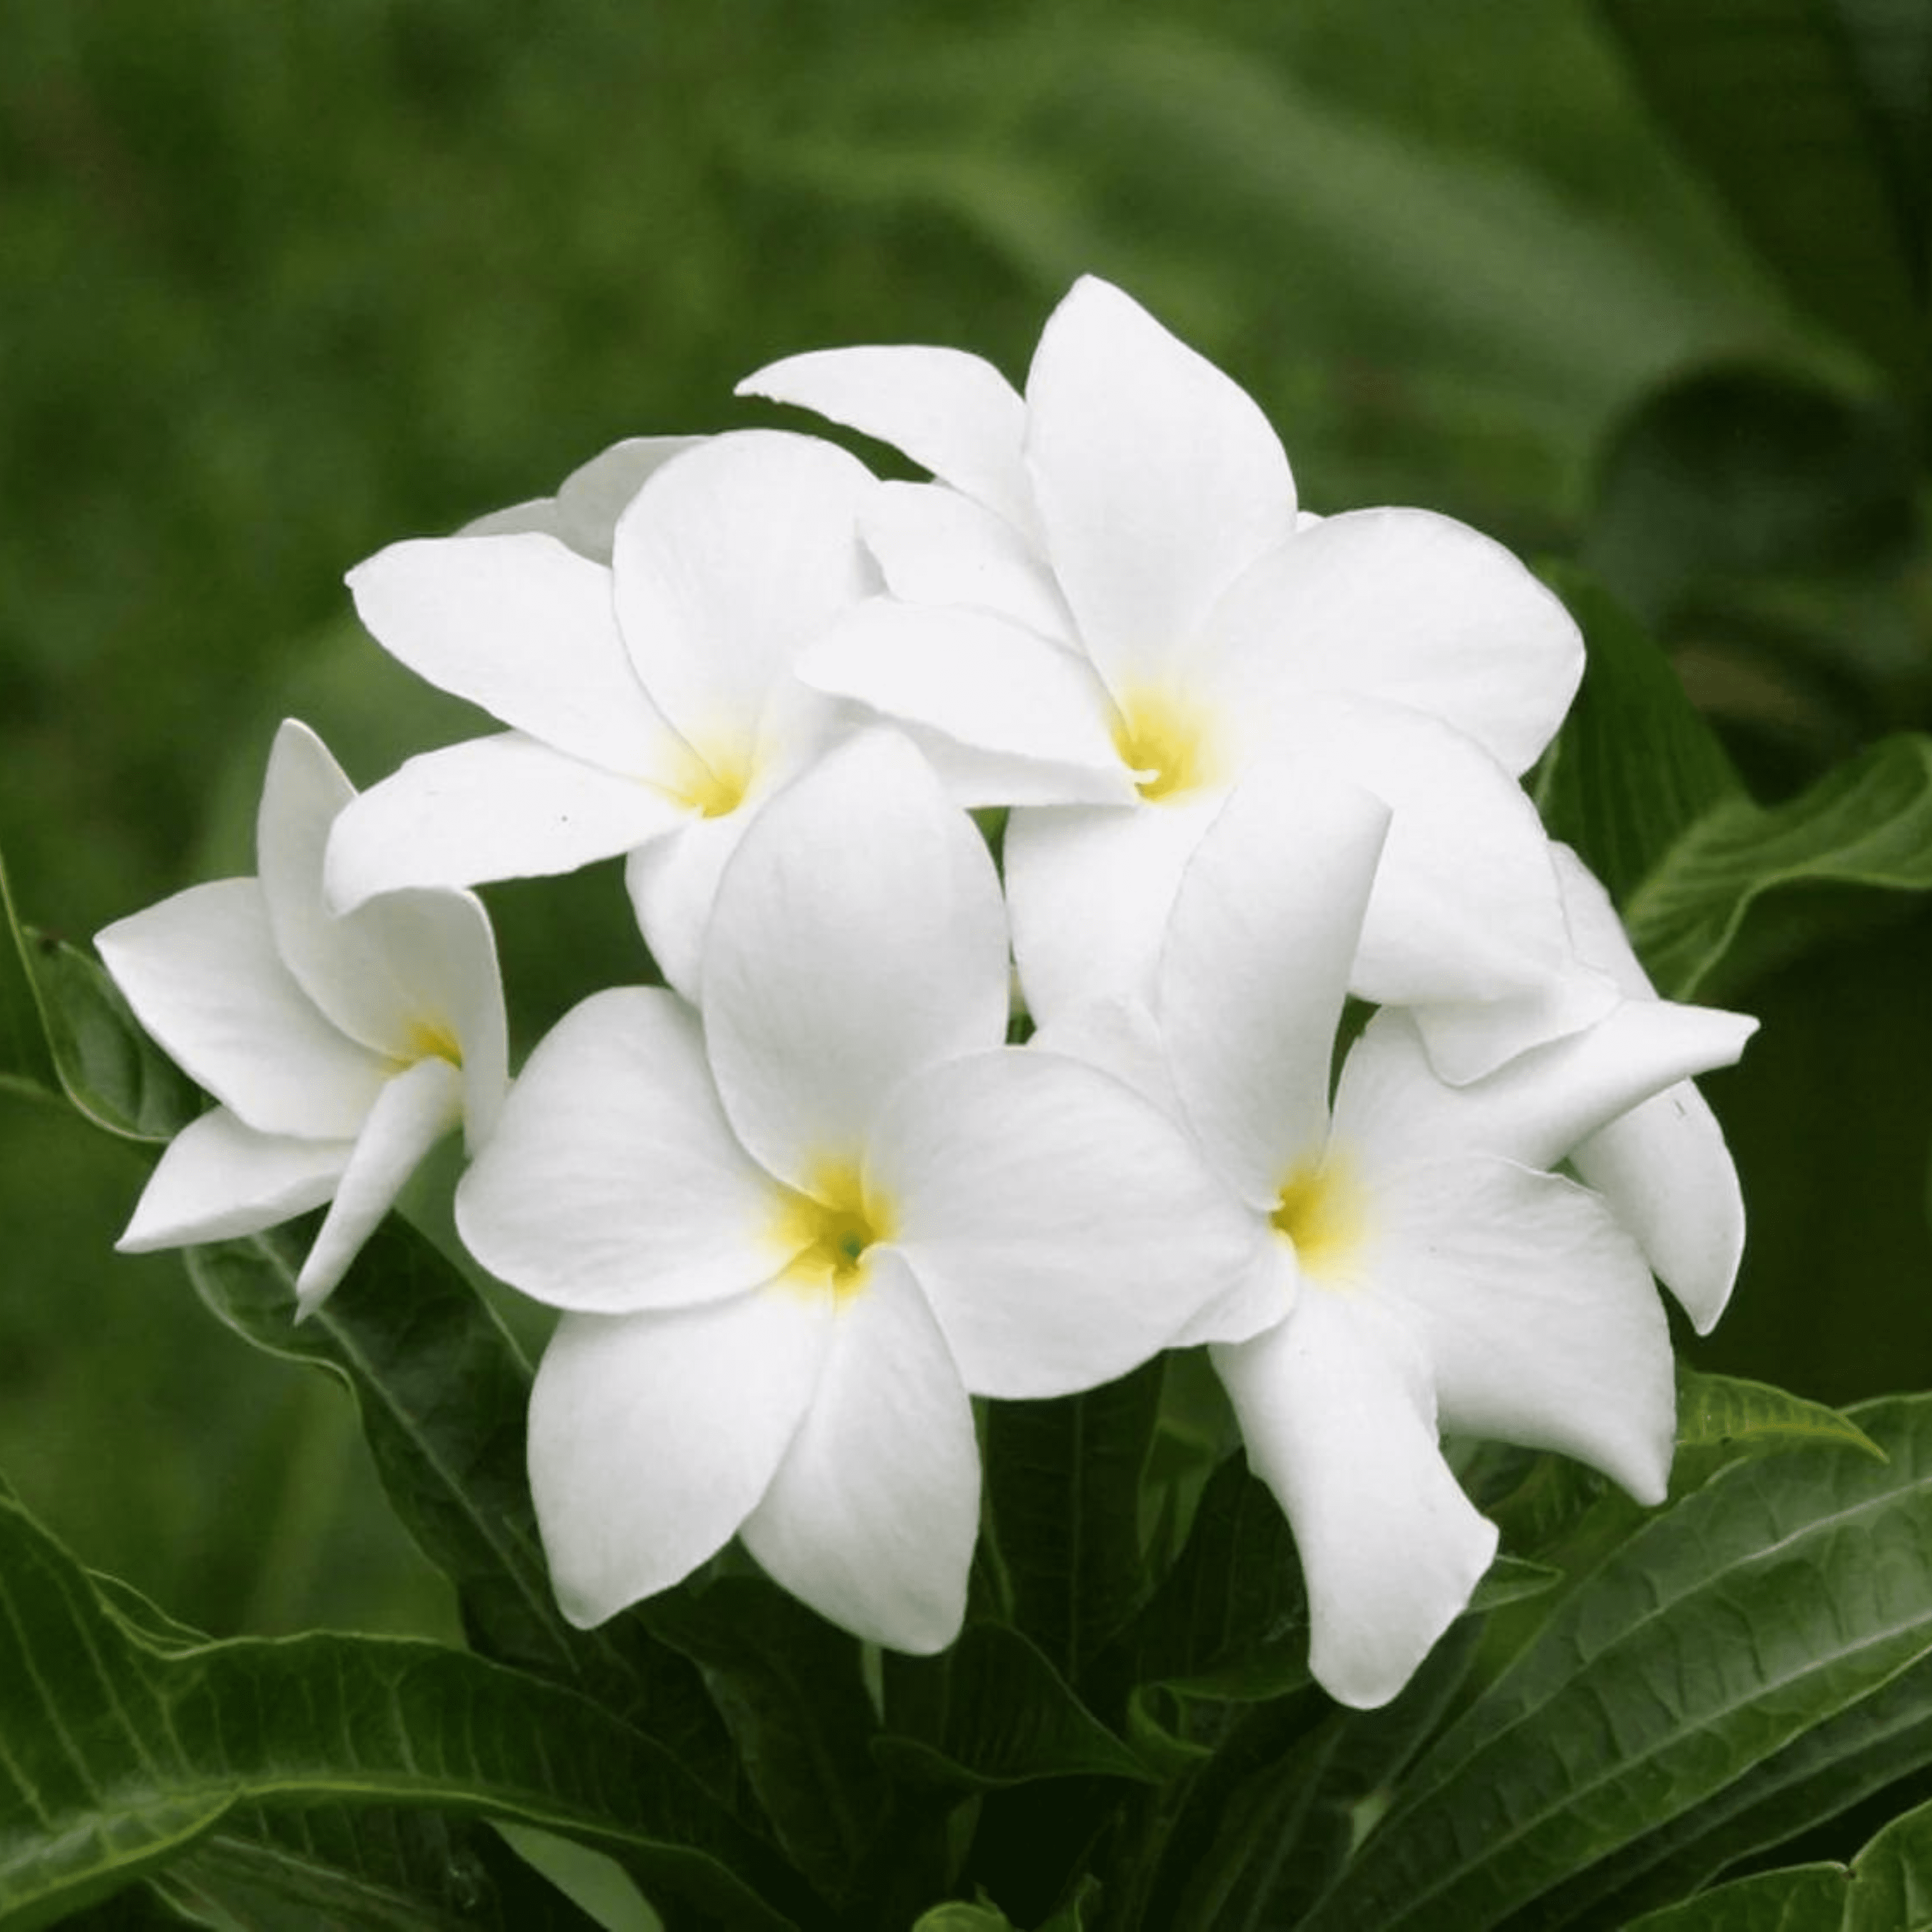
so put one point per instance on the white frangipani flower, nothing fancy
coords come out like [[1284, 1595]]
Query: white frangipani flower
[[341, 1047], [653, 704], [1110, 605], [792, 1237], [1444, 1278]]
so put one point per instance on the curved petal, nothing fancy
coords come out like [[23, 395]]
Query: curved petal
[[522, 626], [871, 1516], [1120, 1037], [858, 935], [652, 1436], [1391, 1103], [588, 503], [413, 1112], [219, 1178], [1027, 722], [673, 883], [938, 548], [500, 808], [1335, 1406], [201, 971], [1469, 1039], [613, 1182], [1089, 888], [1158, 479], [727, 563], [1063, 1229], [1537, 1313], [952, 412], [1408, 608], [1259, 952]]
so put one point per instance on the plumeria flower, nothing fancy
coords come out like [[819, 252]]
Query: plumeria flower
[[792, 1234], [1110, 604], [1431, 1272], [340, 1048], [651, 704]]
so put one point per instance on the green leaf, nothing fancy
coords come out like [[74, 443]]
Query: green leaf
[[1868, 822], [1888, 1887], [1814, 119], [792, 1693], [1634, 765], [1762, 1604], [66, 1033], [1721, 1419], [958, 1916], [443, 1393], [998, 1714], [116, 1755], [1064, 1485]]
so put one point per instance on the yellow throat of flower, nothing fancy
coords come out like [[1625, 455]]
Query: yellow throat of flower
[[426, 1039], [713, 779], [828, 1232], [1323, 1209], [1169, 740]]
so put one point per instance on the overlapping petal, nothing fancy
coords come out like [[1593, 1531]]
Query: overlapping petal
[[201, 971], [872, 1515], [858, 935], [584, 511], [652, 1436], [1337, 1412], [1158, 480], [937, 547], [613, 1181], [953, 413], [1063, 1229]]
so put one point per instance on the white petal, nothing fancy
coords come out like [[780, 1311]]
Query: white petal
[[652, 1437], [1025, 720], [522, 626], [1063, 1229], [201, 972], [1536, 1109], [500, 808], [858, 935], [1664, 1167], [1119, 1036], [219, 1179], [1670, 1179], [586, 506], [1335, 1406], [413, 1112], [871, 1516], [1468, 1039], [1258, 956], [613, 1182], [952, 413], [1158, 480], [936, 547], [726, 564], [1537, 1313], [1410, 608], [673, 883], [1089, 888]]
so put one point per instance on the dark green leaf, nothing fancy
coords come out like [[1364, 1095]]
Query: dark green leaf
[[443, 1393], [1000, 1715], [26, 1061], [1634, 765], [1064, 1485], [1869, 823], [789, 1687], [1887, 1888], [1814, 119], [1766, 1602], [114, 1756], [1722, 1419]]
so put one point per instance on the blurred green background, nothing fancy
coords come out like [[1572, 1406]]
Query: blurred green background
[[279, 285]]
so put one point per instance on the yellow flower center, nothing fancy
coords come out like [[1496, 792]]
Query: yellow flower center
[[430, 1039], [1323, 1209], [1167, 740], [827, 1232], [713, 782]]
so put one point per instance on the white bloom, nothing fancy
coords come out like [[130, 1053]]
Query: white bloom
[[1432, 1273], [1115, 607], [651, 703], [340, 1048], [792, 1237]]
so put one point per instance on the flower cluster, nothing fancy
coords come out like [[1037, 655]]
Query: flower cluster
[[802, 1203]]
